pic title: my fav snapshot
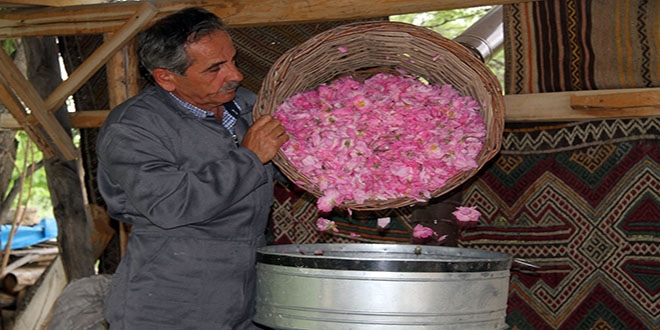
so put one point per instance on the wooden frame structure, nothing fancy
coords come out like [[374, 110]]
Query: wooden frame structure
[[121, 21]]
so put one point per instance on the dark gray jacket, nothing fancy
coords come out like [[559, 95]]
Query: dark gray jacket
[[198, 205]]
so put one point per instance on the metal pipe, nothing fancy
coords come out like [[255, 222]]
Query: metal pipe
[[486, 36]]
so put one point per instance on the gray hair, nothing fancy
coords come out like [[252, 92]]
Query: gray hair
[[163, 44]]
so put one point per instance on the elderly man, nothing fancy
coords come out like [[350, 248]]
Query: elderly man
[[183, 163]]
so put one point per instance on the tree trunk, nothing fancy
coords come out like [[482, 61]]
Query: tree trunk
[[64, 179], [8, 147], [7, 156], [91, 96]]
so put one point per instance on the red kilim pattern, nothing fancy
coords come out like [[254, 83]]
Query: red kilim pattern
[[589, 217]]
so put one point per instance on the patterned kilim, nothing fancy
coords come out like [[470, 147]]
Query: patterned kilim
[[294, 216], [257, 48], [567, 45], [582, 202]]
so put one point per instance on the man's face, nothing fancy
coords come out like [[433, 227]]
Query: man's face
[[212, 78]]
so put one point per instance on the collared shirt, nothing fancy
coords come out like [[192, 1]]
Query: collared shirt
[[228, 120]]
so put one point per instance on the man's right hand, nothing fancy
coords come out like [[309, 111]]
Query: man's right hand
[[265, 137]]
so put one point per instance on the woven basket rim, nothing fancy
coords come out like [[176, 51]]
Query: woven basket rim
[[282, 74]]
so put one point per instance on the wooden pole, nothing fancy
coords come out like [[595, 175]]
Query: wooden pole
[[21, 278], [123, 73]]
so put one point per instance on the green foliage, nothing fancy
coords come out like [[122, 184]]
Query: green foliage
[[450, 24], [8, 46], [39, 193]]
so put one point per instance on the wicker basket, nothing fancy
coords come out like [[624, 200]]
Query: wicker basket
[[380, 46]]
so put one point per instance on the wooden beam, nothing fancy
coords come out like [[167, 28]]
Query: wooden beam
[[17, 119], [552, 107], [52, 3], [101, 55], [79, 119], [88, 119], [110, 17], [16, 84], [644, 98]]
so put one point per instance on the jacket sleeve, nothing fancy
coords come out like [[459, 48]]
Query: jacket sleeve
[[144, 178]]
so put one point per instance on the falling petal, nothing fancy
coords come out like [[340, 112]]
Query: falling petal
[[420, 231], [324, 224], [342, 49], [467, 214], [383, 222]]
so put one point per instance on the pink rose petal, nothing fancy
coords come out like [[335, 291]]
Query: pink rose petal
[[383, 222], [391, 136], [467, 214], [420, 231]]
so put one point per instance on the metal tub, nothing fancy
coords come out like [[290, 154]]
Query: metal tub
[[381, 286]]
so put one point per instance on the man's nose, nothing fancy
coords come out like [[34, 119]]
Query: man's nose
[[235, 74]]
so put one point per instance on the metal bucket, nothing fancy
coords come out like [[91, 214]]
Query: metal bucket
[[381, 286]]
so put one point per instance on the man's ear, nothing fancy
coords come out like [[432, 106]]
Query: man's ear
[[165, 79]]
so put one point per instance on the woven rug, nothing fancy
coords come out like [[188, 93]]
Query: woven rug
[[257, 48], [567, 45], [294, 215], [582, 201]]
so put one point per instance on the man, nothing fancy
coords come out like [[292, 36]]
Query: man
[[195, 186]]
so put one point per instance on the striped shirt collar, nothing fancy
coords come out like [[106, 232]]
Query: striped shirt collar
[[195, 110], [230, 113]]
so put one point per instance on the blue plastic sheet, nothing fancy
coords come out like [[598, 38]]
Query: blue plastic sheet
[[26, 236]]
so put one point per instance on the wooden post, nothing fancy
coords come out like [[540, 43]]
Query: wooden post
[[123, 82]]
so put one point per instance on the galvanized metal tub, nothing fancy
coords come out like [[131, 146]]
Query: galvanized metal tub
[[381, 286]]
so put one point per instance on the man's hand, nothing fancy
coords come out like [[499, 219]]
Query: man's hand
[[265, 137]]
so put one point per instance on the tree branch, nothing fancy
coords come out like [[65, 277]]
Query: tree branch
[[5, 206]]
